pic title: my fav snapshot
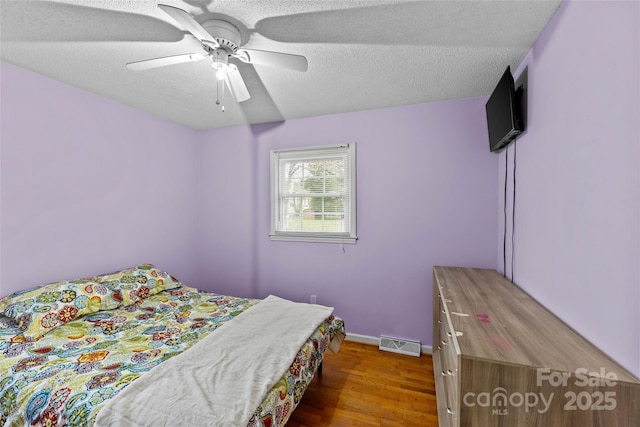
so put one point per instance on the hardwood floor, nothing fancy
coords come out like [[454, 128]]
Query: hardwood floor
[[363, 386]]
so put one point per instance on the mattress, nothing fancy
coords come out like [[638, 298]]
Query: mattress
[[66, 376]]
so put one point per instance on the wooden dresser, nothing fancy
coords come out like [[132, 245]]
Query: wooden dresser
[[502, 359]]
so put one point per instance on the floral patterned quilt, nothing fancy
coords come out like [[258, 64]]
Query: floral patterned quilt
[[65, 377]]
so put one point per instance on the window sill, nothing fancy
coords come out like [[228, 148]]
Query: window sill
[[313, 239]]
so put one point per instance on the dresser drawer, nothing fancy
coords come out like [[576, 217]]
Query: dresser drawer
[[452, 399], [450, 374], [447, 336]]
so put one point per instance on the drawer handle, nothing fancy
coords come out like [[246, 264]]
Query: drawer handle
[[449, 411], [443, 311], [449, 372], [449, 333], [439, 321], [443, 342]]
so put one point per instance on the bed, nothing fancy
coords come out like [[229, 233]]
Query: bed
[[70, 350]]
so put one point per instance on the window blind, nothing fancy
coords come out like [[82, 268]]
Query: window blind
[[313, 194]]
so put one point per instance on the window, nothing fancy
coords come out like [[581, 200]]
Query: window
[[313, 194]]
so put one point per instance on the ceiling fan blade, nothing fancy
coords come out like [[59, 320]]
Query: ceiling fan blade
[[273, 59], [187, 22], [236, 85], [164, 61]]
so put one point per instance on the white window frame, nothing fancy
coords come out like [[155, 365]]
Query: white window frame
[[318, 236]]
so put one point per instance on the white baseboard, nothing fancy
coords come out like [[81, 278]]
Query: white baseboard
[[367, 339]]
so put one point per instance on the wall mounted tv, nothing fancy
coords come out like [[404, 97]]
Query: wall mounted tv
[[504, 112]]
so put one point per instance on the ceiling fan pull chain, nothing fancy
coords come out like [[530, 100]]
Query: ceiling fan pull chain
[[218, 83], [217, 97], [217, 92]]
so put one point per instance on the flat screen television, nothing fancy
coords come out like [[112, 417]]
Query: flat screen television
[[503, 113]]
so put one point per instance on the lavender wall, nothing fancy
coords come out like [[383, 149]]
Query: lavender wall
[[577, 220], [90, 186], [426, 196]]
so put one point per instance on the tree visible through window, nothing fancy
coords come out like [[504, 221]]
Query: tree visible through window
[[313, 194]]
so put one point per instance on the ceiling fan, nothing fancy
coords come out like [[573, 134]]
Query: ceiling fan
[[220, 42]]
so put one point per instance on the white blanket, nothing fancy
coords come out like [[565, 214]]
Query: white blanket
[[222, 379]]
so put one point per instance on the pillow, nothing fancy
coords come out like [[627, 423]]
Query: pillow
[[138, 283], [8, 326], [39, 310]]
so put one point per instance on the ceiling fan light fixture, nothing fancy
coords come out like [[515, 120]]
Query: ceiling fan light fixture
[[221, 64], [223, 70], [221, 73]]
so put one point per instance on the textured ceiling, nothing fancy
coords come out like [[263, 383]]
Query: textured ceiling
[[362, 54]]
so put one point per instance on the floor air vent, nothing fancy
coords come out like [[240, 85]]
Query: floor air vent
[[395, 345]]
